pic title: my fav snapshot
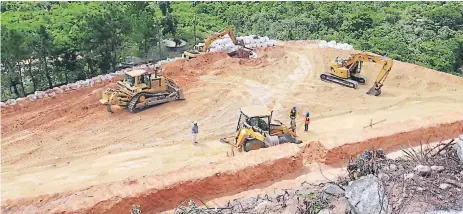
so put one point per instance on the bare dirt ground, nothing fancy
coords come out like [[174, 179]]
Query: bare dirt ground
[[69, 154]]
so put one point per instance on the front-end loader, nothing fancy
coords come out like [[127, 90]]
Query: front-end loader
[[141, 89], [346, 72], [256, 129]]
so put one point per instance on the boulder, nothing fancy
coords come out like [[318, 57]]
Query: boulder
[[57, 90], [393, 167], [384, 177], [333, 189], [32, 97], [51, 94], [367, 195], [445, 212], [459, 148], [263, 207], [444, 186], [409, 176], [423, 170], [325, 211], [437, 168]]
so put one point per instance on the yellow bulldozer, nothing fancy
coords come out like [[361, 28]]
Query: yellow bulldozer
[[201, 48], [347, 72], [256, 129], [141, 89]]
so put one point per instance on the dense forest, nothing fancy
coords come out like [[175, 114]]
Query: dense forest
[[45, 44]]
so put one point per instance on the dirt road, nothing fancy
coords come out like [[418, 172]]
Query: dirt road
[[63, 146]]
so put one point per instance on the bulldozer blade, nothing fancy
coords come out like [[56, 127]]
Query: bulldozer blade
[[374, 92], [291, 139]]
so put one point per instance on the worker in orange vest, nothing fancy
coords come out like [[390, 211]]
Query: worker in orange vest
[[307, 122]]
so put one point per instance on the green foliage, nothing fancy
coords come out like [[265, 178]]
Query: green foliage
[[69, 41]]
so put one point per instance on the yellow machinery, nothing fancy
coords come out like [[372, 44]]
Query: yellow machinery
[[141, 89], [201, 48], [347, 72], [255, 130]]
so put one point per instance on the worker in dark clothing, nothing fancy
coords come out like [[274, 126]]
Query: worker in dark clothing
[[307, 122], [292, 117], [195, 131]]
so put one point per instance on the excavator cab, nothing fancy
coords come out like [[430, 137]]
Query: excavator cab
[[348, 72]]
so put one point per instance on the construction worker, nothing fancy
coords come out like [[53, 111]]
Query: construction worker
[[195, 131], [307, 122], [292, 116]]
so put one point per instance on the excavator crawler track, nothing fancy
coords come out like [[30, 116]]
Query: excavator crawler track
[[334, 79]]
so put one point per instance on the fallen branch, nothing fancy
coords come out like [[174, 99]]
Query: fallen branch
[[371, 123], [446, 146]]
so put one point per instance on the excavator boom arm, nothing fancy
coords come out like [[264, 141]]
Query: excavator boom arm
[[365, 57], [219, 35]]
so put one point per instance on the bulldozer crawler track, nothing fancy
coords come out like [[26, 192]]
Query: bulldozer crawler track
[[132, 107]]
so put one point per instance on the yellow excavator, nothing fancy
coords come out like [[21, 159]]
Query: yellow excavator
[[141, 89], [347, 72], [201, 48], [256, 129]]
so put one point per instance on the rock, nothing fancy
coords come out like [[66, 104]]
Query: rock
[[32, 97], [290, 208], [444, 186], [366, 195], [339, 206], [10, 102], [437, 168], [333, 189], [408, 176], [51, 94], [423, 170], [325, 211], [421, 189], [461, 173], [459, 148], [393, 167], [263, 207], [445, 212], [383, 177]]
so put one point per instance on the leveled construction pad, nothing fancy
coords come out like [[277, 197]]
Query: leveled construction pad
[[64, 147]]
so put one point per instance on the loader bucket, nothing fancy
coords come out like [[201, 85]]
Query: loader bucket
[[291, 139], [108, 108], [180, 94]]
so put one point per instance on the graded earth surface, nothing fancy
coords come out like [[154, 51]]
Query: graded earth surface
[[69, 154]]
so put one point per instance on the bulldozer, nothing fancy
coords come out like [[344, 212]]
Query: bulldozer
[[347, 72], [256, 130], [201, 48], [141, 89]]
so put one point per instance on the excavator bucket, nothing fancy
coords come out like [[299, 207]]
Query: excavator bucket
[[374, 91]]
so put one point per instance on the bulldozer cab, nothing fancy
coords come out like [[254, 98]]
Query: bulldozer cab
[[257, 117], [139, 80]]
